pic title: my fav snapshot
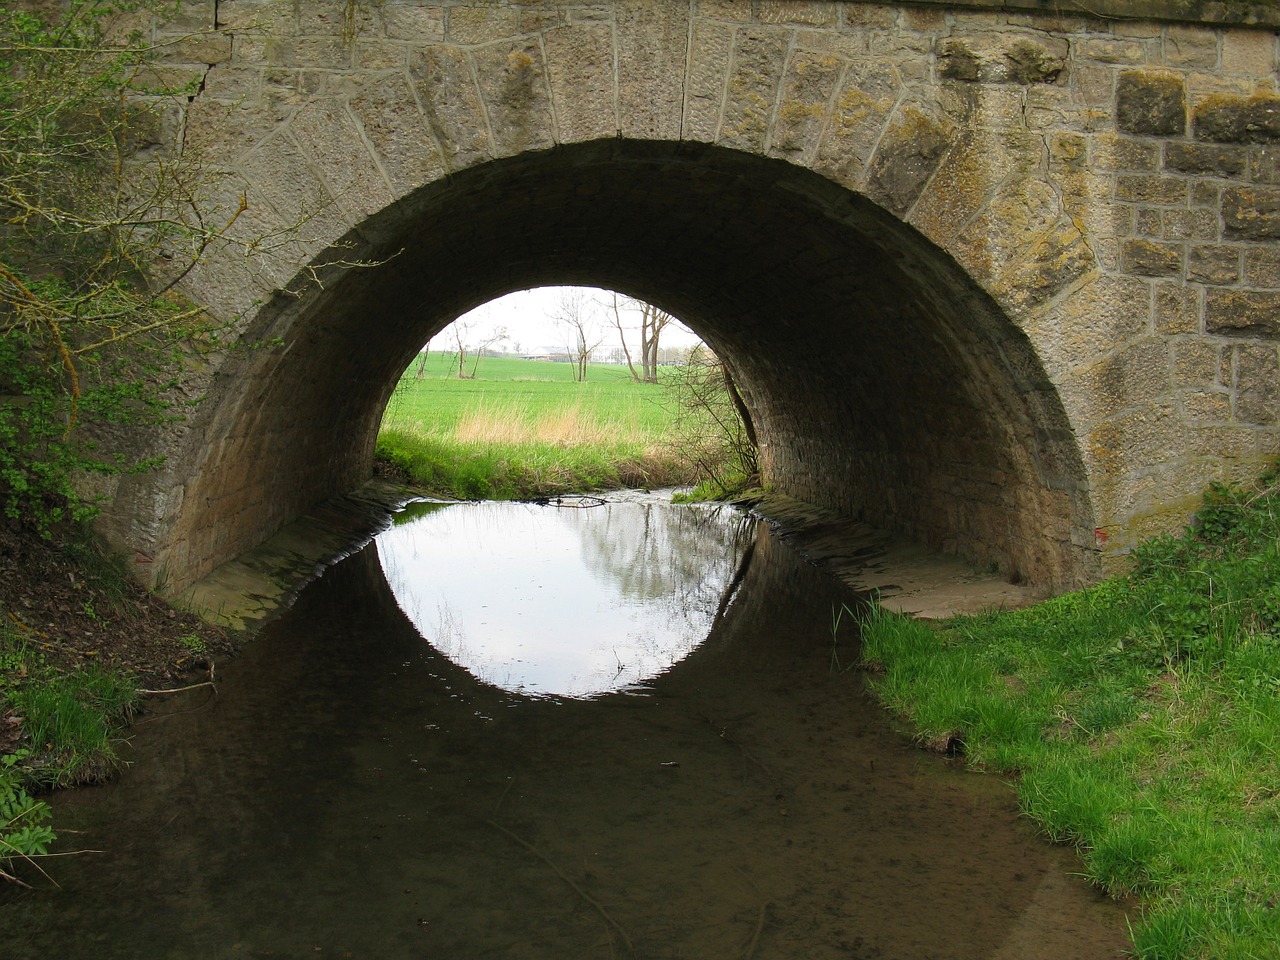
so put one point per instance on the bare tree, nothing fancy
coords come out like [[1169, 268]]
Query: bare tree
[[653, 321], [423, 354], [622, 337], [583, 337], [493, 337]]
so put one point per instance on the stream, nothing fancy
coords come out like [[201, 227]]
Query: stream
[[635, 729]]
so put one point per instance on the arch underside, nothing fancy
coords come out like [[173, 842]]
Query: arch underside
[[884, 383]]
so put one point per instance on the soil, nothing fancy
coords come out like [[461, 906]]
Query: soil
[[65, 596]]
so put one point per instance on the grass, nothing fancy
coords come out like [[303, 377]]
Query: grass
[[524, 428], [71, 718], [1141, 719]]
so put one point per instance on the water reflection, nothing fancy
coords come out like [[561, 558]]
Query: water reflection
[[574, 599]]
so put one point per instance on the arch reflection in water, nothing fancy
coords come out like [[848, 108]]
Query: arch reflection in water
[[571, 599]]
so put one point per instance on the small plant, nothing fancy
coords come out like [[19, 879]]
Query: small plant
[[24, 822]]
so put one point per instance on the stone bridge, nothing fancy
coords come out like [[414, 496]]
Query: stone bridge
[[1001, 276]]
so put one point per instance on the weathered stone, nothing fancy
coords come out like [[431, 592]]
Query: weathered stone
[[1232, 119], [906, 158], [652, 42], [1257, 385], [1248, 313], [1138, 189], [812, 13], [807, 87], [1213, 264], [513, 83], [1200, 158], [1148, 258], [481, 24], [1176, 309], [752, 91], [1207, 406], [859, 114], [580, 68], [1001, 58], [709, 58], [1195, 364], [1251, 213], [442, 77], [1151, 103], [1190, 224], [1190, 47], [339, 153], [398, 132], [1262, 266]]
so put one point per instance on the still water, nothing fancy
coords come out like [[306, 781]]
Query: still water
[[730, 792]]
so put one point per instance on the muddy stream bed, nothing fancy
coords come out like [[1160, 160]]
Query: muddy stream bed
[[670, 758]]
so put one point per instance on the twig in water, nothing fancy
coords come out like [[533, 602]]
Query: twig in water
[[194, 686], [567, 879]]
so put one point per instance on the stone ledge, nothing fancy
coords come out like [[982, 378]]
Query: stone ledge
[[1264, 14]]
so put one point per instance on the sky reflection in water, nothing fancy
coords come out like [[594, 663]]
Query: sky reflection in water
[[567, 601]]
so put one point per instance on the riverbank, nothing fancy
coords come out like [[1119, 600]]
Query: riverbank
[[1140, 720], [82, 646]]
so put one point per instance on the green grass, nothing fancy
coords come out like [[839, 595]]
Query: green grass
[[524, 428], [1142, 718], [71, 718]]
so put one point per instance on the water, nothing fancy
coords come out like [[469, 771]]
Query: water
[[353, 792]]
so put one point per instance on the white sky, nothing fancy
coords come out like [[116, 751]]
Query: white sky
[[528, 317]]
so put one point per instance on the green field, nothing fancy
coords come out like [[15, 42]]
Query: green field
[[525, 428]]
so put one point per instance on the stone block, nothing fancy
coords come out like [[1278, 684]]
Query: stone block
[[711, 48], [1262, 266], [1193, 224], [580, 71], [1206, 159], [810, 13], [1249, 53], [739, 11], [1151, 103], [337, 150], [1264, 164], [513, 83], [1257, 384], [413, 23], [1163, 190], [1002, 58], [1148, 258], [398, 132], [1190, 47], [1124, 154], [752, 92], [1251, 213], [652, 44], [1129, 51], [442, 80], [1148, 222], [1227, 118], [859, 114], [1195, 364], [1217, 264], [1176, 309], [483, 23], [1243, 313], [905, 159], [807, 86]]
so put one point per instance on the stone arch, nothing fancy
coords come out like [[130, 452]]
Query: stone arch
[[885, 383]]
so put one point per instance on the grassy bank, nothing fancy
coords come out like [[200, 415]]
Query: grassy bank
[[524, 428], [79, 642], [1141, 719]]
